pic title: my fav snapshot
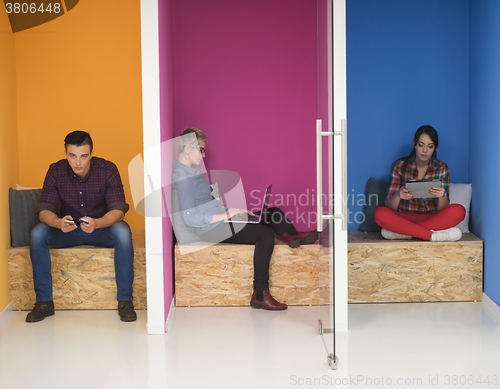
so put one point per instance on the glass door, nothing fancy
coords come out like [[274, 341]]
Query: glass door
[[331, 173], [324, 166]]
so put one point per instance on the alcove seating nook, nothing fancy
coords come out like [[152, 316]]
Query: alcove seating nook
[[83, 277], [383, 270]]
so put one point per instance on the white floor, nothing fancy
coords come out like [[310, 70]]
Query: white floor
[[434, 345]]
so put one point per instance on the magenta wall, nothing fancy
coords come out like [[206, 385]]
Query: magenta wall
[[245, 72], [166, 132]]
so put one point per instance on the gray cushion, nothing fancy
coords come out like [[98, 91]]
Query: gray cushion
[[183, 233], [375, 195], [462, 194], [23, 216]]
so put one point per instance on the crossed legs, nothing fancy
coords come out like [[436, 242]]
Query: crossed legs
[[419, 225]]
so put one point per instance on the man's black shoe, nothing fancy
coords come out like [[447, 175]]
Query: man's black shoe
[[126, 311], [42, 310]]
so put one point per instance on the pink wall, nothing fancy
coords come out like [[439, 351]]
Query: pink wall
[[245, 72], [322, 63], [167, 132]]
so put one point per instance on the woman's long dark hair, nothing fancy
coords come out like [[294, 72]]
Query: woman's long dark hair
[[432, 133]]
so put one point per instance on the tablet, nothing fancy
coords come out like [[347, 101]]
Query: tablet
[[420, 188]]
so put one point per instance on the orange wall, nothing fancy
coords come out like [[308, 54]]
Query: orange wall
[[81, 71], [8, 145]]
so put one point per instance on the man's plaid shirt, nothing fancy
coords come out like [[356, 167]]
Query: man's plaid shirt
[[437, 170], [99, 192]]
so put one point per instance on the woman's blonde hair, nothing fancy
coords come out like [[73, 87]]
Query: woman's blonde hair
[[191, 140]]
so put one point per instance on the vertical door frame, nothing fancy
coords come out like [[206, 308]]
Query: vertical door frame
[[152, 171], [339, 105]]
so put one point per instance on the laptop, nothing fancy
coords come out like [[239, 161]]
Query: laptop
[[246, 218]]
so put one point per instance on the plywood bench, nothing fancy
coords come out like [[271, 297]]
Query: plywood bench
[[83, 277], [379, 271], [222, 274], [413, 270]]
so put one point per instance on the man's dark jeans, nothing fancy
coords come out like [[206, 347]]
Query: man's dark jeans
[[118, 236]]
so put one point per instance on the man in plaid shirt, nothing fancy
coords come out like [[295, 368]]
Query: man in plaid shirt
[[87, 193]]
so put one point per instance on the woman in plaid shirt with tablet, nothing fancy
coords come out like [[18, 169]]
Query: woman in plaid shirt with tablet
[[432, 218]]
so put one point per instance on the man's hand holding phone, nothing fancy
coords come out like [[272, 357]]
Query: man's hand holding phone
[[67, 224], [87, 224]]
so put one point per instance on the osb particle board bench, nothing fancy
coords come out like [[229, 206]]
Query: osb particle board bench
[[222, 274], [379, 271], [83, 277], [413, 270]]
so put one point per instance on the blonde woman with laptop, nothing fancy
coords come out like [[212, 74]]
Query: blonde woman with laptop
[[207, 215]]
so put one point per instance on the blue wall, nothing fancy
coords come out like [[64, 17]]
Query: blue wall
[[484, 135], [407, 65]]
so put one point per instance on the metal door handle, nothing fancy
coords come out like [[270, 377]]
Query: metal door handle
[[319, 175]]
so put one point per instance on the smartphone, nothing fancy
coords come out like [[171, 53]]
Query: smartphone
[[84, 220], [69, 221]]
